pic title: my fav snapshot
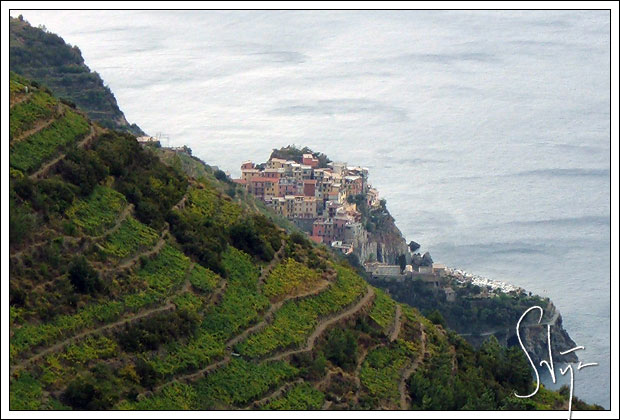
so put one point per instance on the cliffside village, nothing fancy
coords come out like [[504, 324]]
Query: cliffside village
[[315, 198], [322, 202]]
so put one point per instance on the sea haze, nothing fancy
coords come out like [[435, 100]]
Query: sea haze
[[487, 132]]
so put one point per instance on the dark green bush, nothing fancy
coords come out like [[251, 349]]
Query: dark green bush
[[83, 277]]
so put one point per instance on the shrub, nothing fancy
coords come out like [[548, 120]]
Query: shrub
[[83, 277], [341, 348]]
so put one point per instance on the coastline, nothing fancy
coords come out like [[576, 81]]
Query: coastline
[[462, 276]]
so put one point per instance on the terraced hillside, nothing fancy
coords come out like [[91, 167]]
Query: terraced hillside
[[46, 58], [136, 286]]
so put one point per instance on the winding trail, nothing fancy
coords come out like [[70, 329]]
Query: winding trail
[[407, 372], [397, 322], [40, 125], [43, 170], [275, 394], [149, 252], [18, 254], [189, 377], [238, 338], [217, 293], [21, 98], [358, 368], [323, 325], [268, 316], [60, 345], [181, 204], [142, 314], [119, 221], [265, 271]]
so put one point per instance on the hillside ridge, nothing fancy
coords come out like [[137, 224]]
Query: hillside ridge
[[45, 57], [136, 286]]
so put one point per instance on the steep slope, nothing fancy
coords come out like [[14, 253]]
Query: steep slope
[[46, 58], [135, 286]]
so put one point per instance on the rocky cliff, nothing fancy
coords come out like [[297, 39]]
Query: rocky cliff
[[384, 242], [534, 337], [389, 243]]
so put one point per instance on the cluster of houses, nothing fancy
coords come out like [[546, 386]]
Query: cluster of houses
[[315, 198]]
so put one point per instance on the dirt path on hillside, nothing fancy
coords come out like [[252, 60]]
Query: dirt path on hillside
[[397, 322], [19, 99], [275, 394], [119, 221], [60, 345], [168, 305], [268, 317], [323, 325], [236, 339], [43, 170], [40, 125], [181, 204], [18, 254], [149, 252], [265, 271], [402, 386], [358, 368]]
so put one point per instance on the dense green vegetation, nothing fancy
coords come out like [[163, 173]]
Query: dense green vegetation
[[30, 153], [130, 237], [299, 397], [96, 213], [292, 152], [289, 278], [381, 371], [234, 385], [203, 279], [45, 57], [485, 380], [294, 322], [383, 308], [240, 382], [341, 348], [210, 219], [24, 115], [134, 286], [465, 314]]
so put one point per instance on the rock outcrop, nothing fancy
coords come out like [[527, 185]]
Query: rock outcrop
[[534, 337], [384, 245]]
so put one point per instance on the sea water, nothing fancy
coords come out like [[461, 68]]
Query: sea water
[[488, 132]]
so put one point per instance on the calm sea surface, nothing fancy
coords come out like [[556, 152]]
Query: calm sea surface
[[487, 132]]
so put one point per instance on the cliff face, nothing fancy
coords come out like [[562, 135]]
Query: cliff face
[[384, 243], [389, 243], [534, 337]]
